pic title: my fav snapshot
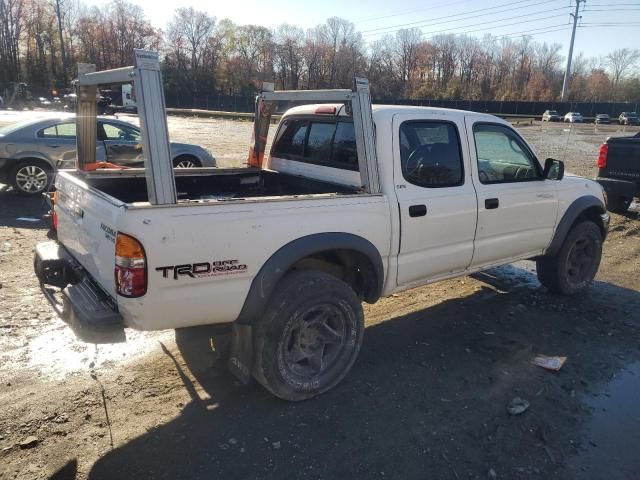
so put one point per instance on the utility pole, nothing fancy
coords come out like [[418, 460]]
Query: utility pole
[[62, 52], [567, 72]]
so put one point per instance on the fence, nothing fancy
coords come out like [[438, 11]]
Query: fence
[[237, 103]]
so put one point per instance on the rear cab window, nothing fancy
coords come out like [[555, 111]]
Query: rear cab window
[[327, 142]]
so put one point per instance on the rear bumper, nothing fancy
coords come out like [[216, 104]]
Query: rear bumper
[[91, 313]]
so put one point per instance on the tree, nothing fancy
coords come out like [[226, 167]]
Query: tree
[[620, 62]]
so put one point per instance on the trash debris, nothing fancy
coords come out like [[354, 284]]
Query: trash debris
[[549, 363], [232, 441], [276, 445], [492, 474], [28, 219], [29, 442], [517, 406]]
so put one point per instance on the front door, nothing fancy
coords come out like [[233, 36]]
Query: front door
[[517, 207], [436, 198], [122, 143]]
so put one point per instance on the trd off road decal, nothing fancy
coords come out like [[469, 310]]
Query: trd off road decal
[[109, 233], [203, 269]]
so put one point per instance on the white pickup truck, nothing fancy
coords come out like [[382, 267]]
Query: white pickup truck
[[287, 249]]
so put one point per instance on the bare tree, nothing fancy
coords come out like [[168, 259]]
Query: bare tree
[[620, 62]]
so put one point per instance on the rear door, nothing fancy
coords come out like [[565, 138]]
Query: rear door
[[436, 198], [122, 143], [58, 142], [517, 207]]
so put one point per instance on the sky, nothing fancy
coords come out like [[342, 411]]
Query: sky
[[606, 24]]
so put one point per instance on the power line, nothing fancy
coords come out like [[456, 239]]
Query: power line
[[471, 14], [406, 12], [621, 24], [498, 20], [614, 11]]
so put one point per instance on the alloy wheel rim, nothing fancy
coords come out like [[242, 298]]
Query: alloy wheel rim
[[31, 179], [314, 342], [186, 164]]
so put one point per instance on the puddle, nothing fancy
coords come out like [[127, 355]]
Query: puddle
[[613, 433], [518, 274], [57, 352]]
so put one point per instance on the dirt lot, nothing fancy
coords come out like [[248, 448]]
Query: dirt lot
[[427, 397]]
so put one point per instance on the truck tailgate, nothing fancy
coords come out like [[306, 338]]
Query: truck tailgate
[[623, 159], [86, 227]]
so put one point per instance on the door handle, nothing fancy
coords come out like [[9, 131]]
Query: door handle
[[417, 210], [491, 203]]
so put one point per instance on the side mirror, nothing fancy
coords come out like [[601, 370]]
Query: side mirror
[[553, 169]]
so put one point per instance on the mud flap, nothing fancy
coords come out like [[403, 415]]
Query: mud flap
[[241, 357]]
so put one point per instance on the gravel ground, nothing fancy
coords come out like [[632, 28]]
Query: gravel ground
[[426, 399]]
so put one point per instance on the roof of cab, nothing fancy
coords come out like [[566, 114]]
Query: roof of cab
[[387, 111]]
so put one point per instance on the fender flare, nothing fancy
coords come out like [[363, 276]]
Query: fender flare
[[280, 262], [577, 208]]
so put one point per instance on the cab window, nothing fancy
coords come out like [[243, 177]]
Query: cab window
[[317, 141], [502, 156], [430, 154]]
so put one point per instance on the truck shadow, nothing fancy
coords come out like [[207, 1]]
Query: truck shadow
[[21, 211], [427, 394]]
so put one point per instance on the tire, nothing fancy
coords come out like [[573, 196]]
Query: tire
[[31, 177], [316, 308], [618, 204], [576, 264], [186, 161]]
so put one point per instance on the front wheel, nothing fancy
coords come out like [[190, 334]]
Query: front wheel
[[309, 336], [576, 264]]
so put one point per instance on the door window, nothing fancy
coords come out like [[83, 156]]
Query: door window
[[430, 154], [502, 155], [120, 132], [61, 130]]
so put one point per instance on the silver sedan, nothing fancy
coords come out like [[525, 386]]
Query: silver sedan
[[31, 151]]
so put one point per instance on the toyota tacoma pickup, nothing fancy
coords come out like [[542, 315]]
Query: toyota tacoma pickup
[[619, 171], [350, 204]]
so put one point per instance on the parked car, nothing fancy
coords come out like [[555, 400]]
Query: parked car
[[629, 118], [551, 116], [43, 102], [602, 119], [31, 151], [285, 252], [619, 171], [573, 117]]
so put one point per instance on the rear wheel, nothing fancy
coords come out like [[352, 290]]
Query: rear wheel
[[576, 264], [186, 161], [309, 337], [618, 204], [31, 177]]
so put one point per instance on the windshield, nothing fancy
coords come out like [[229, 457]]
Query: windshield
[[553, 112]]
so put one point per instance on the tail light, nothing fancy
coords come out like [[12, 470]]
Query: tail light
[[131, 267], [602, 155]]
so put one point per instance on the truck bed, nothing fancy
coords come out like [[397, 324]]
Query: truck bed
[[204, 184]]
